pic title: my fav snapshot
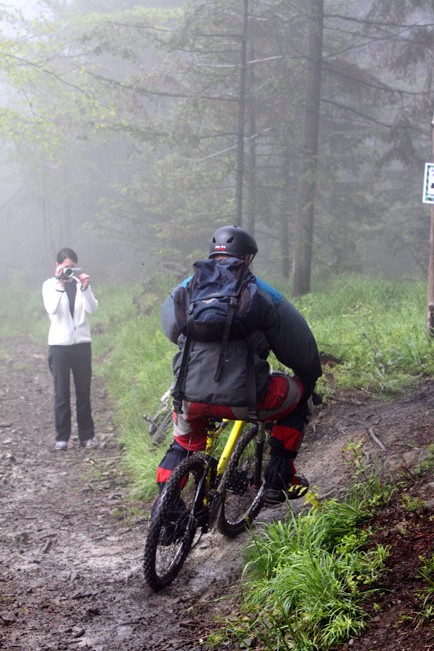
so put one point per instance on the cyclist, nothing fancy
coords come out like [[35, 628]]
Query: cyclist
[[281, 399]]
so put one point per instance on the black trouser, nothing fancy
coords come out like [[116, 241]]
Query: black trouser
[[61, 361]]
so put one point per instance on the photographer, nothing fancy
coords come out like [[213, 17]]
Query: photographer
[[68, 300]]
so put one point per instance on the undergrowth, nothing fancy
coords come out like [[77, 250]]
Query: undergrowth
[[375, 329], [305, 579]]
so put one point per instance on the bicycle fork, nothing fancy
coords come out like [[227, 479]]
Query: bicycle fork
[[202, 496]]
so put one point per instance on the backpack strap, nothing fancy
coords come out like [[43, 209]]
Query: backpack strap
[[179, 388], [180, 303], [251, 385], [233, 302]]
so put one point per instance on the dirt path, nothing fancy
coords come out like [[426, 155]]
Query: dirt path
[[71, 540]]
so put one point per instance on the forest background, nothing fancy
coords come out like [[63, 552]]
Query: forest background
[[131, 130]]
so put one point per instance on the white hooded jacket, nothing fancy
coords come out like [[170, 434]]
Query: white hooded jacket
[[66, 330]]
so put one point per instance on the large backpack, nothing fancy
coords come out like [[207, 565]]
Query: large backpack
[[219, 303]]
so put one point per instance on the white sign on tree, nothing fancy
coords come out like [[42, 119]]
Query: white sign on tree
[[428, 183]]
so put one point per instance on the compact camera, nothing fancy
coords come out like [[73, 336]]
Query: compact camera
[[68, 272]]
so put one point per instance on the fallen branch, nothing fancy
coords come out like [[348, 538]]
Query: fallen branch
[[376, 439]]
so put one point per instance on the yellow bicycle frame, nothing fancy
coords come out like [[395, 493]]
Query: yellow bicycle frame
[[229, 446]]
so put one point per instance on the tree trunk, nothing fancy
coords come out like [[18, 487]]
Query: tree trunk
[[67, 230], [241, 120], [303, 241], [284, 224], [430, 309], [250, 218]]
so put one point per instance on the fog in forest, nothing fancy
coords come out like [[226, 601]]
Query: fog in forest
[[132, 130]]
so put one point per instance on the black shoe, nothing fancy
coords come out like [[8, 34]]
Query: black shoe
[[273, 496]]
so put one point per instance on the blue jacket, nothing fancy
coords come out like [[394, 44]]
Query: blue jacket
[[282, 330]]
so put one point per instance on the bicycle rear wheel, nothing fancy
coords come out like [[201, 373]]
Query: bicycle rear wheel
[[161, 427], [174, 524], [242, 487]]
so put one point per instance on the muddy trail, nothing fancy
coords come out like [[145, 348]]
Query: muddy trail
[[72, 539]]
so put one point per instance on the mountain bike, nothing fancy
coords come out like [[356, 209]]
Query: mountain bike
[[161, 423], [222, 487]]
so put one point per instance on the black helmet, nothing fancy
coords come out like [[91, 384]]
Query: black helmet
[[233, 241]]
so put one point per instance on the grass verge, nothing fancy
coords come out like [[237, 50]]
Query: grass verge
[[306, 578]]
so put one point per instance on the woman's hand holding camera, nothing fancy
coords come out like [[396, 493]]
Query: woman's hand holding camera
[[66, 274], [85, 281], [59, 274]]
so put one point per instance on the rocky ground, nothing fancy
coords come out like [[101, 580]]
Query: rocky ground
[[72, 539]]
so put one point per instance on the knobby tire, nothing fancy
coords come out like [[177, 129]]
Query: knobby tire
[[172, 528]]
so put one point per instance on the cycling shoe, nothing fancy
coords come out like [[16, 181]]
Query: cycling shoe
[[297, 489]]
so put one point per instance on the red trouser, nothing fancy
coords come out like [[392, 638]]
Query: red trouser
[[282, 404]]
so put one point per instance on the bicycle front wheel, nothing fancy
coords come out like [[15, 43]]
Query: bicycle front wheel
[[174, 524], [242, 486]]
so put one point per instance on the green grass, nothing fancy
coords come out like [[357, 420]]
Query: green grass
[[305, 578], [134, 357], [426, 573], [376, 328], [23, 314]]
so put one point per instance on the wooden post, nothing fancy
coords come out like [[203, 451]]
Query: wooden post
[[430, 311]]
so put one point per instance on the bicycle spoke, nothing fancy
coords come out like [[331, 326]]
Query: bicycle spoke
[[242, 493]]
